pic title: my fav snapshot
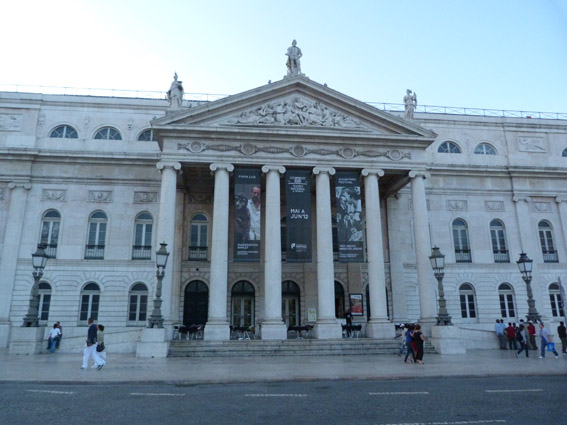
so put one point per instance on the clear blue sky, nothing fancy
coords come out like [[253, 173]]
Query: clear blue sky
[[500, 54]]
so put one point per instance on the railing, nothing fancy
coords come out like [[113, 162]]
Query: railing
[[463, 255], [550, 257], [140, 252], [94, 252], [51, 250], [501, 256], [198, 253], [208, 97]]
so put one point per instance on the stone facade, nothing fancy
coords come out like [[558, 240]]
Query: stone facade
[[420, 196]]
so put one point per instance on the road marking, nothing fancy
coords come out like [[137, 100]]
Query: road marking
[[401, 393], [51, 392], [159, 394], [480, 421], [276, 395], [534, 390]]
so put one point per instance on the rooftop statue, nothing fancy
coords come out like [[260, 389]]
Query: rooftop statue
[[293, 55], [175, 94], [410, 102]]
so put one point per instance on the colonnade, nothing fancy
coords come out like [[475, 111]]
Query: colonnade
[[272, 325]]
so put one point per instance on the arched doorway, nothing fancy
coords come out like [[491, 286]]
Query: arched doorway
[[196, 306], [290, 303], [242, 304]]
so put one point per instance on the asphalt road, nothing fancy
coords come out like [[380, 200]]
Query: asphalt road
[[496, 400]]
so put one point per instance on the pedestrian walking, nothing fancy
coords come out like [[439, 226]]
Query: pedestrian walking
[[90, 348], [522, 339], [562, 334], [532, 335], [419, 340], [100, 347], [545, 340], [60, 337], [409, 341]]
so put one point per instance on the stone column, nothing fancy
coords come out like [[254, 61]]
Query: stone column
[[166, 231], [10, 251], [378, 326], [217, 327], [396, 238], [562, 205], [327, 326], [273, 326], [425, 279], [524, 228]]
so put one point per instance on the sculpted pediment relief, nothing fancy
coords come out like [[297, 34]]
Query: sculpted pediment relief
[[295, 111]]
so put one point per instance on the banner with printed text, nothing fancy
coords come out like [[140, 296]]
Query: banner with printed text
[[349, 217], [298, 216], [247, 212]]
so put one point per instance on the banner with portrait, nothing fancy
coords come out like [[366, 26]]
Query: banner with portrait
[[349, 217], [298, 216], [247, 212]]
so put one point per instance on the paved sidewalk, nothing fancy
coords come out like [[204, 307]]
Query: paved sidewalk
[[126, 368]]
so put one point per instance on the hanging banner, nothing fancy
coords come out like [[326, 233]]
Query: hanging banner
[[349, 217], [247, 209], [298, 216]]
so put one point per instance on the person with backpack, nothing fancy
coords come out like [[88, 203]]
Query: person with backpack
[[521, 337], [409, 341]]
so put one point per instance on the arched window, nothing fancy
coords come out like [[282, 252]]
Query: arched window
[[138, 304], [564, 153], [546, 241], [143, 227], [498, 238], [44, 292], [290, 303], [242, 304], [196, 303], [198, 244], [484, 149], [147, 136], [64, 132], [468, 302], [107, 133], [339, 301], [507, 303], [96, 236], [50, 232], [461, 241], [449, 147], [557, 307], [90, 297]]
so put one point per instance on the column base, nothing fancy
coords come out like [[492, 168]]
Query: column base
[[154, 342], [216, 331], [273, 331], [27, 340], [328, 330], [380, 330]]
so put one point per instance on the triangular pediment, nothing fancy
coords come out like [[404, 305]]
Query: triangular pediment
[[292, 104]]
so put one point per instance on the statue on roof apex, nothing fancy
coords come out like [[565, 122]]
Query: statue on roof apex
[[410, 102], [175, 94], [293, 55]]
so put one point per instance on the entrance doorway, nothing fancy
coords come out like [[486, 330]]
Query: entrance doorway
[[290, 303], [242, 304], [196, 305]]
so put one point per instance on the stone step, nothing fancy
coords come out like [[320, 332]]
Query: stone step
[[296, 347]]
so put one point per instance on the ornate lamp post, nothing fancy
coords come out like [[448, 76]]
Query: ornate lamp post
[[525, 266], [156, 319], [438, 264], [39, 260]]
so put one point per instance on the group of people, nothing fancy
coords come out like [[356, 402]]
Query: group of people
[[413, 341], [94, 346], [522, 337], [54, 338]]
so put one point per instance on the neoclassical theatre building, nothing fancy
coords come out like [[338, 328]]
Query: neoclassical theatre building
[[281, 206]]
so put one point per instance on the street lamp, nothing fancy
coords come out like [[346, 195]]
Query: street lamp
[[39, 260], [525, 265], [156, 319], [438, 264]]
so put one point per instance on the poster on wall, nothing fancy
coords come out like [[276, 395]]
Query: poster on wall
[[356, 308], [298, 216], [247, 209], [349, 217]]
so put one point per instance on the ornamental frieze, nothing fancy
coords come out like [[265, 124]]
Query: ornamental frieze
[[296, 112], [54, 195], [145, 197], [297, 151], [100, 196], [11, 122]]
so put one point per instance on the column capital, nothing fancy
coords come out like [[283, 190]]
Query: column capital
[[220, 166], [273, 167], [21, 184], [518, 198], [369, 171], [419, 173], [560, 199], [171, 164], [324, 170]]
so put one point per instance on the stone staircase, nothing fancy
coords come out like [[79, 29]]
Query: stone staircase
[[290, 347]]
